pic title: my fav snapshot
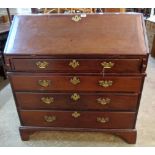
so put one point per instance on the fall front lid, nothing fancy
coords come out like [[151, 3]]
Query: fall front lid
[[90, 34]]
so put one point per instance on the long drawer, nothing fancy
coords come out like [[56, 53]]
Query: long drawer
[[51, 82], [78, 65], [76, 101], [78, 119]]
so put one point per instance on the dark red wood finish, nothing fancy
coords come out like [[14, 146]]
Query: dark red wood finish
[[58, 40], [85, 65], [101, 34], [87, 101], [121, 120], [25, 82]]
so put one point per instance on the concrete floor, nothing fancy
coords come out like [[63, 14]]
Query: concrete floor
[[9, 123]]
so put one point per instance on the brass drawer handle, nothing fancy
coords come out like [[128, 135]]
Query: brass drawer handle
[[107, 64], [102, 119], [76, 114], [44, 83], [49, 118], [75, 80], [75, 97], [74, 64], [76, 18], [42, 65], [47, 100], [105, 83], [103, 101]]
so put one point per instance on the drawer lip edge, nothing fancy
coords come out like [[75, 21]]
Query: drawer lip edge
[[11, 73], [85, 111]]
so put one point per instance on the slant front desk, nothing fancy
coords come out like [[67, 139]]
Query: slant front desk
[[77, 72]]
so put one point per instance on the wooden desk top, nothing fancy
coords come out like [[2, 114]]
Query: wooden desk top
[[94, 34]]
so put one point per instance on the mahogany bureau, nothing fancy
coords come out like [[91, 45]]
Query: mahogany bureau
[[77, 72]]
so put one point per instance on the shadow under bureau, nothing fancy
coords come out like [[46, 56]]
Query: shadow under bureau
[[77, 73]]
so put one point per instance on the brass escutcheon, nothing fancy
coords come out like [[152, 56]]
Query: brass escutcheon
[[44, 83], [49, 118], [47, 100], [76, 114], [102, 119], [103, 101], [74, 63], [75, 80], [105, 83], [107, 64], [75, 97], [76, 18], [42, 65]]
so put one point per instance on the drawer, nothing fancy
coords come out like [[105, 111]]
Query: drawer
[[51, 82], [76, 101], [78, 65], [78, 119]]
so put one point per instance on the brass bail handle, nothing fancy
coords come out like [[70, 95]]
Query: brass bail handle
[[49, 119], [76, 18], [47, 100], [42, 64], [102, 119], [107, 65], [44, 83], [75, 97], [76, 114], [75, 80], [74, 63], [103, 101], [105, 83]]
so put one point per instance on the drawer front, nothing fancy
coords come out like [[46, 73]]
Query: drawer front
[[78, 119], [76, 101], [78, 65], [76, 83]]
